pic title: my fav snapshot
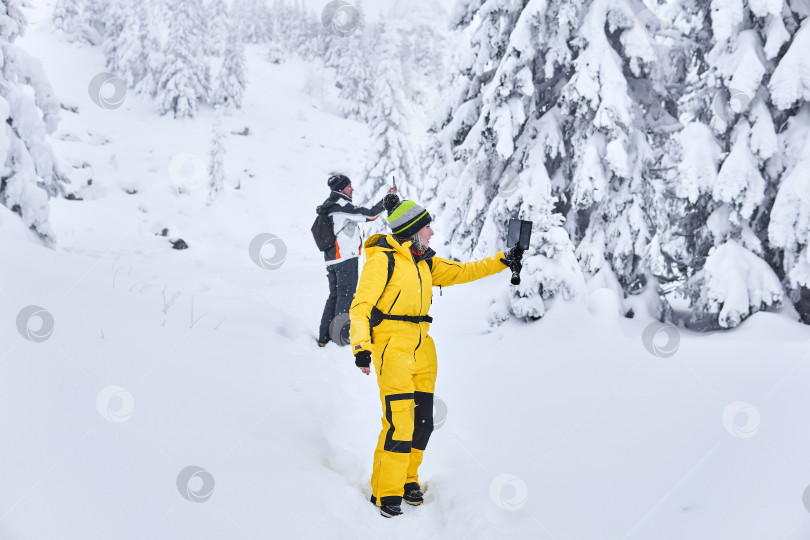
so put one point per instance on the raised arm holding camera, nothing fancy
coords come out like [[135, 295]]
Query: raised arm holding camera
[[389, 328]]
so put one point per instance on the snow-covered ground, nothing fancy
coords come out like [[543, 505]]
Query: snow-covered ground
[[159, 360]]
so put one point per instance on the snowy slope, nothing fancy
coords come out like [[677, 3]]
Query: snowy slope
[[566, 428]]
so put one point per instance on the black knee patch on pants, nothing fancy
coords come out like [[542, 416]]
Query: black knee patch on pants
[[422, 419]]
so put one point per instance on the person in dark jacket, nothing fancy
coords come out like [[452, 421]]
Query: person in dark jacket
[[341, 260]]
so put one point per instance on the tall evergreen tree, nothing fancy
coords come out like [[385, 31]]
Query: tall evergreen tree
[[151, 59], [67, 15], [309, 42], [185, 79], [217, 27], [94, 13], [216, 168], [29, 111], [231, 81], [543, 118], [79, 19], [351, 56], [789, 85], [724, 167], [252, 17], [122, 45], [281, 23], [391, 155], [341, 42], [658, 138]]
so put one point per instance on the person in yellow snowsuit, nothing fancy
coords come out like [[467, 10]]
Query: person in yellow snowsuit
[[389, 325]]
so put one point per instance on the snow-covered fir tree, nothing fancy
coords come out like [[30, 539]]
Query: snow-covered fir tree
[[661, 144], [293, 30], [252, 18], [150, 48], [418, 28], [725, 165], [356, 80], [185, 79], [350, 56], [231, 81], [80, 19], [789, 86], [391, 155], [29, 112], [216, 34], [67, 16], [282, 23], [309, 38], [333, 41], [546, 119], [607, 103], [123, 44], [94, 13], [216, 168]]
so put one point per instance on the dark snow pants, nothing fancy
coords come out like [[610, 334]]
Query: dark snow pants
[[342, 285]]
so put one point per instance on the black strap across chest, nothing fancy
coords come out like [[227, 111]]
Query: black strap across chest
[[378, 316]]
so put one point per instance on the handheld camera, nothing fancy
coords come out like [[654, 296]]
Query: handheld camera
[[519, 234]]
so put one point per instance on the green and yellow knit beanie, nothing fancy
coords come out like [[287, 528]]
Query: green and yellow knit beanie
[[405, 218]]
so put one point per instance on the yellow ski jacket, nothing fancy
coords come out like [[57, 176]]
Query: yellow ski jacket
[[408, 292]]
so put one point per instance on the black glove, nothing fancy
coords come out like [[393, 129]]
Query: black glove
[[362, 359], [512, 259]]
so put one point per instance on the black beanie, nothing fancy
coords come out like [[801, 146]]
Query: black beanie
[[338, 182]]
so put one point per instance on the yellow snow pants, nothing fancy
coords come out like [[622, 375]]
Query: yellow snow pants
[[404, 359]]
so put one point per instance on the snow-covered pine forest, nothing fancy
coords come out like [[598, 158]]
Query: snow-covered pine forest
[[660, 144], [666, 141], [161, 165]]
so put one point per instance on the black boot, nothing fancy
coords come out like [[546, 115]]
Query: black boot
[[389, 506], [413, 494], [390, 510]]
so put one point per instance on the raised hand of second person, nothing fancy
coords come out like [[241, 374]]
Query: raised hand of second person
[[392, 190]]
